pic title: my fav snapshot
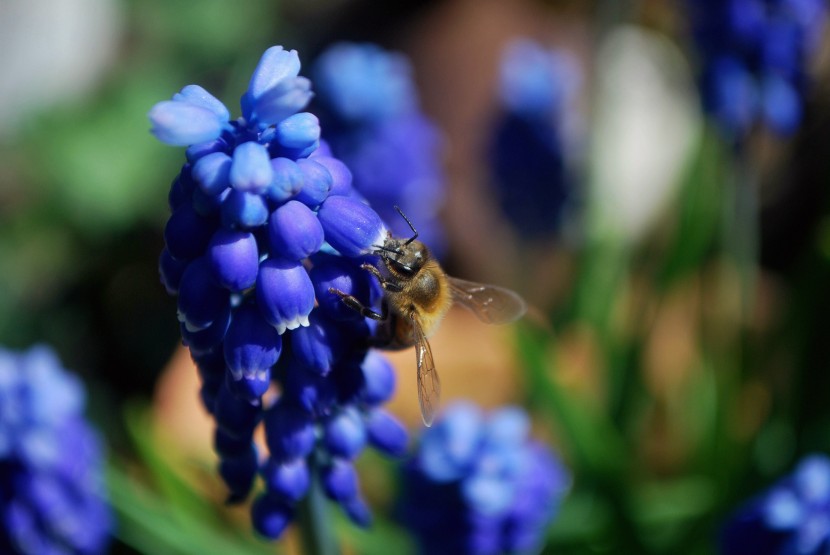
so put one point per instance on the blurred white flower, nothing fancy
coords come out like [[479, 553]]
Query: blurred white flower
[[53, 51], [647, 124]]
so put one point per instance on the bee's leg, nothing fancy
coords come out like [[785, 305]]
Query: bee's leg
[[386, 283], [352, 302]]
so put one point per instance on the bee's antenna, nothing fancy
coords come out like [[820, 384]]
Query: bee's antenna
[[388, 249], [412, 227]]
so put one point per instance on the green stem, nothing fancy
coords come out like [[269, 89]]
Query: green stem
[[315, 523], [742, 226]]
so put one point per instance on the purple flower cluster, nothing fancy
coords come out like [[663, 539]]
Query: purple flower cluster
[[51, 466], [791, 518], [754, 57], [531, 139], [478, 484], [264, 222], [369, 107]]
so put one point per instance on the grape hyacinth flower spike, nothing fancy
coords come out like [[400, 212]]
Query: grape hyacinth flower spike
[[368, 104], [51, 465], [477, 484], [755, 57], [534, 138], [264, 222]]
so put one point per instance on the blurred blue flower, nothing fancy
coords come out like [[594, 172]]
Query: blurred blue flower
[[754, 58], [51, 466], [263, 223], [369, 107], [478, 484], [791, 518], [533, 137]]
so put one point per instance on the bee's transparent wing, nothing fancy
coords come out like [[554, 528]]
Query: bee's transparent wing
[[492, 304], [429, 386]]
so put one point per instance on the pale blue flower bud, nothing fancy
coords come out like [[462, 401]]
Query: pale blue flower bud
[[242, 209], [288, 180], [183, 124], [212, 173], [198, 96], [299, 132], [251, 169], [275, 91]]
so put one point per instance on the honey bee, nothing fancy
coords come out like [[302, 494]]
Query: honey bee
[[417, 295]]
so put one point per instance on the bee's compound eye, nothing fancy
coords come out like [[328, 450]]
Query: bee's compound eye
[[403, 268]]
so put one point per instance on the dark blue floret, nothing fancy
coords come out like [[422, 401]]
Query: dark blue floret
[[289, 430], [288, 479], [202, 301], [271, 515], [284, 293], [294, 232], [386, 434], [339, 479], [258, 211], [314, 347], [379, 379], [345, 433], [234, 258]]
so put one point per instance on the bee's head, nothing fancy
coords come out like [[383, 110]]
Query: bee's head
[[403, 257]]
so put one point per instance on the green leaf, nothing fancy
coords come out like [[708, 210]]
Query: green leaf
[[593, 442], [382, 538], [150, 524], [699, 212], [584, 517], [177, 518], [98, 165]]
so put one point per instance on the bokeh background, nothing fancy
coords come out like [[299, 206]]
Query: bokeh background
[[676, 355]]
